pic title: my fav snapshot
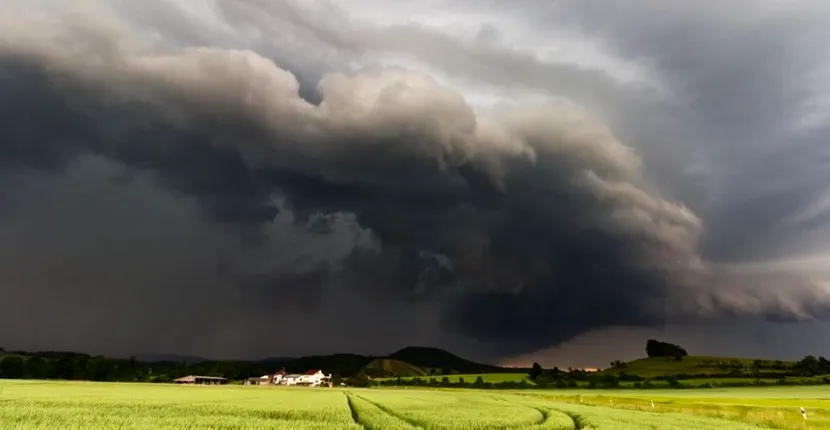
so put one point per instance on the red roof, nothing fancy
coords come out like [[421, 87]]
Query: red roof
[[311, 371]]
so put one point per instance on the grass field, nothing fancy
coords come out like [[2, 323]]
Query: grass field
[[700, 365], [87, 405]]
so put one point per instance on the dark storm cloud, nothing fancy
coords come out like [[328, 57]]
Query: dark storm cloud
[[520, 227]]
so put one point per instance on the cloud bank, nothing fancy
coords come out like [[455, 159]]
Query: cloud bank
[[305, 164]]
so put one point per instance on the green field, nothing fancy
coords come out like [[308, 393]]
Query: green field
[[89, 405], [690, 365]]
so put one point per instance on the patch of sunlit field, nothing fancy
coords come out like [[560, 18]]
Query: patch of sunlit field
[[773, 407], [98, 405], [90, 405]]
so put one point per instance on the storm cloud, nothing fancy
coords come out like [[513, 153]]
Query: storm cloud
[[518, 223]]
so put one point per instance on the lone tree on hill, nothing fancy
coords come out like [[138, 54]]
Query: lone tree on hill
[[655, 348], [535, 371]]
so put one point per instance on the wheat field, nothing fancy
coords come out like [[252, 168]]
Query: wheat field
[[89, 405]]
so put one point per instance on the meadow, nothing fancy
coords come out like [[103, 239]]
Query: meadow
[[91, 405]]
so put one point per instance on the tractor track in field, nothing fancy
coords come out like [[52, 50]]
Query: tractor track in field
[[355, 414], [392, 413], [575, 418], [545, 415]]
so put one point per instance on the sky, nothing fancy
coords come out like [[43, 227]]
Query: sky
[[512, 181]]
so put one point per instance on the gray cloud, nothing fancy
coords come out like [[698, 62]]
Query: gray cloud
[[518, 227]]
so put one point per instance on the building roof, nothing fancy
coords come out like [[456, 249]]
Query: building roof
[[190, 378], [293, 376], [311, 371]]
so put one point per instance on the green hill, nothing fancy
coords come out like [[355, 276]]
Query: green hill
[[340, 364], [408, 362], [433, 358], [389, 367], [695, 365]]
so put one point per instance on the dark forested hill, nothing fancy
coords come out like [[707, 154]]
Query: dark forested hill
[[162, 368], [434, 358]]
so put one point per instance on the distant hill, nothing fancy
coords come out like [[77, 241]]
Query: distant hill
[[434, 358], [408, 362], [693, 365], [339, 364], [389, 367]]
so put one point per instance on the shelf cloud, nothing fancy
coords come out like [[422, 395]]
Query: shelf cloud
[[231, 168]]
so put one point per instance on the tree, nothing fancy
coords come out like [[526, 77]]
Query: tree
[[12, 368], [809, 365], [756, 366], [535, 371], [655, 348], [479, 381], [618, 364]]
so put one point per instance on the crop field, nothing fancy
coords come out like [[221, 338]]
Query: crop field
[[89, 405], [662, 366]]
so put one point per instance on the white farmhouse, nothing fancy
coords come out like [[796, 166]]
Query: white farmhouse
[[311, 378], [314, 378], [274, 379], [291, 379]]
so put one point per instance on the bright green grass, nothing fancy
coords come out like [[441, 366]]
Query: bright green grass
[[774, 407], [72, 405], [663, 366], [396, 367]]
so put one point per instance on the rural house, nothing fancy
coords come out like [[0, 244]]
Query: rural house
[[291, 379], [275, 379], [314, 378], [311, 378], [201, 380]]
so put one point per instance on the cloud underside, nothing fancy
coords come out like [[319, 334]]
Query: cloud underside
[[520, 227]]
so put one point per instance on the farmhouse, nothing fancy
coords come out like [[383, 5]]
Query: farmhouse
[[201, 380], [311, 378], [291, 379], [314, 378]]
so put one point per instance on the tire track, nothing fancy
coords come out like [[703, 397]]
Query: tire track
[[575, 418], [545, 415], [392, 413], [355, 414]]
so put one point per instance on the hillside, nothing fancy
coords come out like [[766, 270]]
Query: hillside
[[408, 362], [433, 358], [389, 367], [338, 364], [694, 365]]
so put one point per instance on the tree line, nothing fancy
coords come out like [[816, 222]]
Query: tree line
[[83, 367]]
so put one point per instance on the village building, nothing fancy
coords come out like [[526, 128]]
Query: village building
[[201, 380], [311, 378], [314, 378], [291, 379]]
